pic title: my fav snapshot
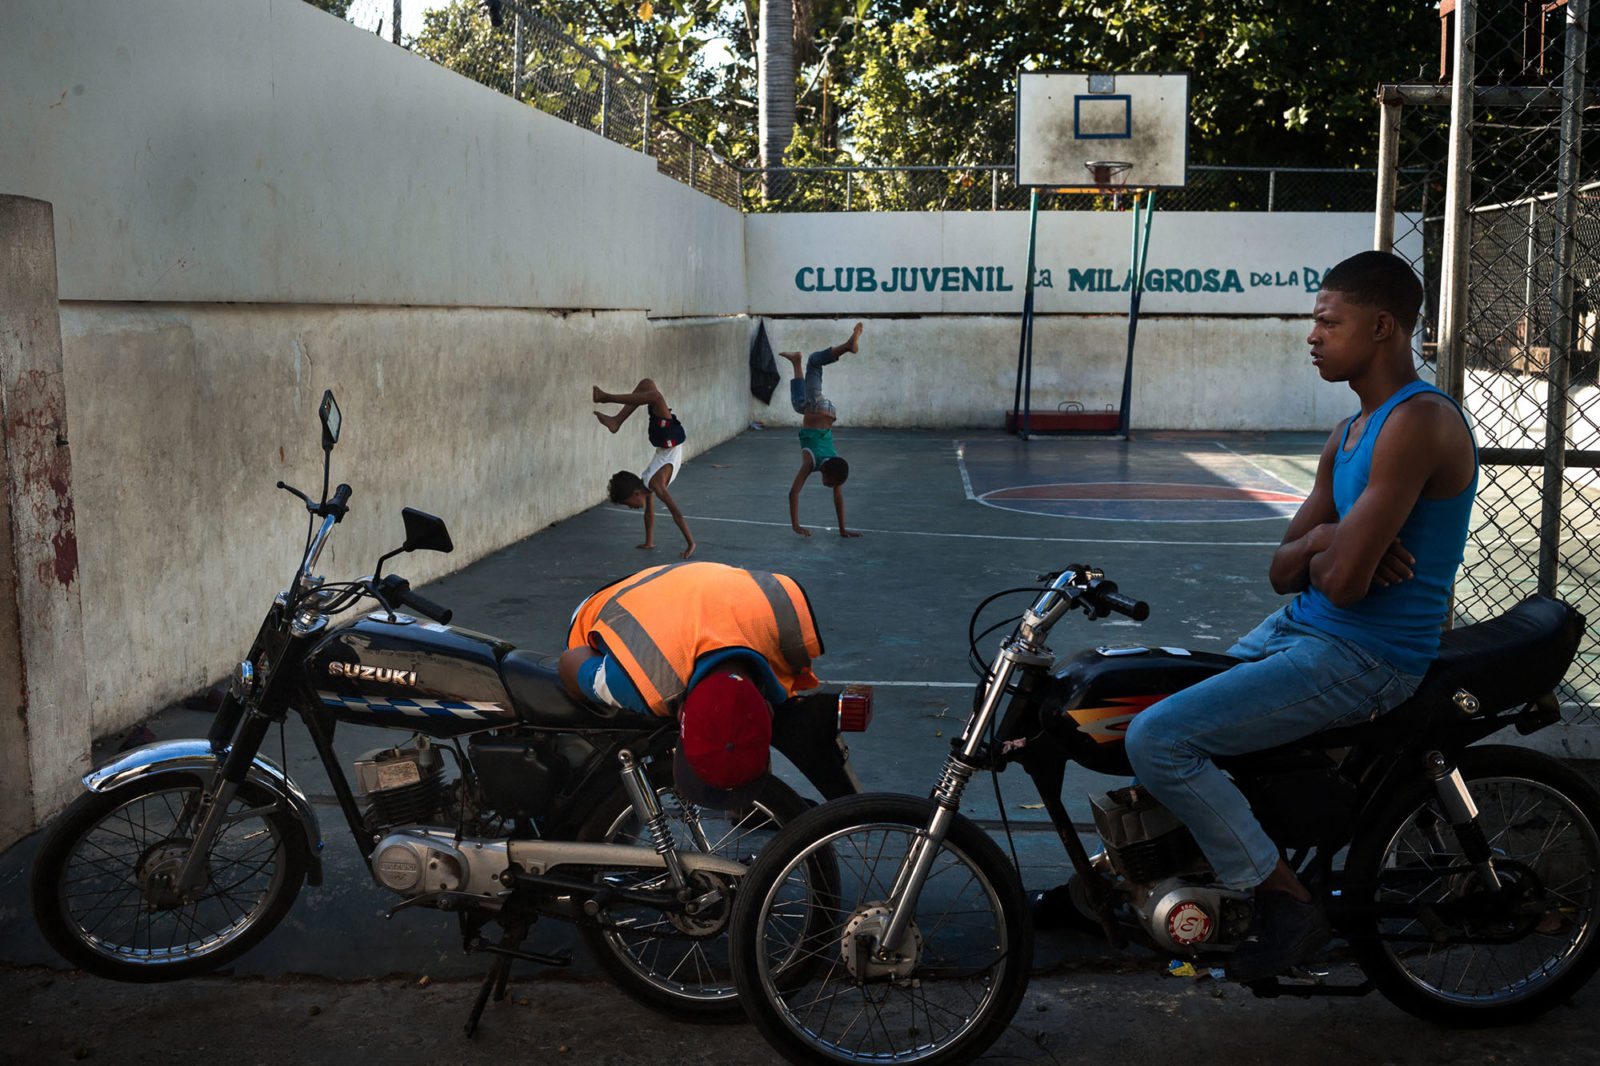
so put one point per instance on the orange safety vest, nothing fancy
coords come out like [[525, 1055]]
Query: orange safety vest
[[656, 623]]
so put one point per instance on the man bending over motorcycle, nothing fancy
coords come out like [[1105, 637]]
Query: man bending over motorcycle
[[720, 648], [1371, 554]]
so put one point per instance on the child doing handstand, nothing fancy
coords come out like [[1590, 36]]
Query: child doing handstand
[[667, 435], [816, 433]]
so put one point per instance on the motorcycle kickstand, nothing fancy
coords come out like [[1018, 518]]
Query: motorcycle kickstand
[[494, 981], [499, 975]]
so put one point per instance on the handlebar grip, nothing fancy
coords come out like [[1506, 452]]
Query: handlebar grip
[[341, 499], [1137, 610], [424, 606]]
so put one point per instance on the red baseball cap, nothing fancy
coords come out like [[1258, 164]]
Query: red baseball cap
[[724, 742]]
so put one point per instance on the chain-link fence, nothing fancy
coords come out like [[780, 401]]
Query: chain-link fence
[[528, 59], [994, 188], [1513, 280]]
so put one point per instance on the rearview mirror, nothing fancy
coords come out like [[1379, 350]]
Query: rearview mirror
[[329, 413], [425, 532]]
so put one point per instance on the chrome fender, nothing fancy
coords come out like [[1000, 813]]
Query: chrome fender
[[196, 757]]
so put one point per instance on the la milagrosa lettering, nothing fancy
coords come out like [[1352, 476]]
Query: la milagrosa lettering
[[902, 279]]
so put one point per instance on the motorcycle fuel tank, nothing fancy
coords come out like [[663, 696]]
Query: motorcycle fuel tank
[[405, 673], [1094, 694]]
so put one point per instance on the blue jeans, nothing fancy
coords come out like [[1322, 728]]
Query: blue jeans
[[807, 394], [1297, 681]]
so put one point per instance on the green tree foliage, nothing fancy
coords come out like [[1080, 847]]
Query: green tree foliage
[[461, 37], [1287, 82], [1271, 81]]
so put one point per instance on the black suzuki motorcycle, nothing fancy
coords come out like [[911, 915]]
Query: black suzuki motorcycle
[[503, 800], [1464, 878]]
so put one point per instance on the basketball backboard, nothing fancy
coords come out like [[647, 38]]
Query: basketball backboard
[[1069, 120]]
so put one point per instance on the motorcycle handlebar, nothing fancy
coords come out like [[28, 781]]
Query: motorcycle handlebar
[[338, 505], [424, 606], [1137, 610], [396, 589]]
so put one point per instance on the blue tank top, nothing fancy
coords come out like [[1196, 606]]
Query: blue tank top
[[1400, 623]]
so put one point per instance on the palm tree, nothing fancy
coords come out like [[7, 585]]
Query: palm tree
[[776, 92]]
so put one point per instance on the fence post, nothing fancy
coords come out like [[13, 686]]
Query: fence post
[[516, 63], [646, 148], [691, 164], [1388, 171], [1455, 257], [849, 189], [394, 29], [605, 104], [1272, 187], [994, 190], [1561, 294]]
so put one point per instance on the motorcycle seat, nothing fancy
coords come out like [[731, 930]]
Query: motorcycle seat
[[540, 699], [1505, 662]]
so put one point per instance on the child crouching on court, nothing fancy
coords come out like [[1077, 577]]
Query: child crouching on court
[[816, 432]]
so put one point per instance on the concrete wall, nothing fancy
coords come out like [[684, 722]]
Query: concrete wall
[[1221, 337], [1190, 372], [254, 201], [253, 150], [44, 732], [479, 416]]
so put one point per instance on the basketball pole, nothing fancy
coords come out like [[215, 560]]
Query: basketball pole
[[1141, 249], [1024, 391]]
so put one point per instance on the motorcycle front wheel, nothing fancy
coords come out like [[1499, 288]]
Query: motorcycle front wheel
[[103, 883], [946, 990], [677, 963], [1442, 945]]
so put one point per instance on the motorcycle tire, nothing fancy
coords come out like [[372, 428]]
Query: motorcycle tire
[[1464, 959], [678, 964], [960, 970], [100, 884]]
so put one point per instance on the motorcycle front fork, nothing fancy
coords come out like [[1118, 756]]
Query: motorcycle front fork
[[211, 813], [959, 766]]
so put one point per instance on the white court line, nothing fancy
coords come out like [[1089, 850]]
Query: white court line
[[966, 485], [961, 464], [1245, 458], [910, 684], [996, 536]]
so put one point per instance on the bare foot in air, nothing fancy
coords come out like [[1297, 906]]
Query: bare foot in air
[[854, 343], [793, 357], [600, 395], [611, 422]]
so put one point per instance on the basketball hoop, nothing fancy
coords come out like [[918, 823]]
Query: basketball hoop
[[1110, 176]]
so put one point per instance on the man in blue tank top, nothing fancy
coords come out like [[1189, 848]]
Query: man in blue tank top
[[1370, 556]]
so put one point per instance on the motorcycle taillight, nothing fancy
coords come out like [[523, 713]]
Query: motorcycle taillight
[[855, 709]]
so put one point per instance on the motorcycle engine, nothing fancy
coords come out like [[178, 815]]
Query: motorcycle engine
[[417, 860], [401, 785], [1166, 876], [1144, 841], [1186, 918]]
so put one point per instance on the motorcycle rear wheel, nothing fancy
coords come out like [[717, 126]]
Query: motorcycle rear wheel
[[102, 891], [678, 965], [961, 969], [1456, 961]]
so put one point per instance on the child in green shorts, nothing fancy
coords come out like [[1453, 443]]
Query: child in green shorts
[[816, 433]]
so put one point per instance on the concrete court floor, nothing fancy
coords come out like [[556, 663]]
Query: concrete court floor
[[1186, 522]]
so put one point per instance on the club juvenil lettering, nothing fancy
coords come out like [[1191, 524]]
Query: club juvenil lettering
[[903, 279], [1085, 279]]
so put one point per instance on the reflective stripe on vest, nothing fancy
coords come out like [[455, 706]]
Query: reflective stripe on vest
[[662, 682]]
